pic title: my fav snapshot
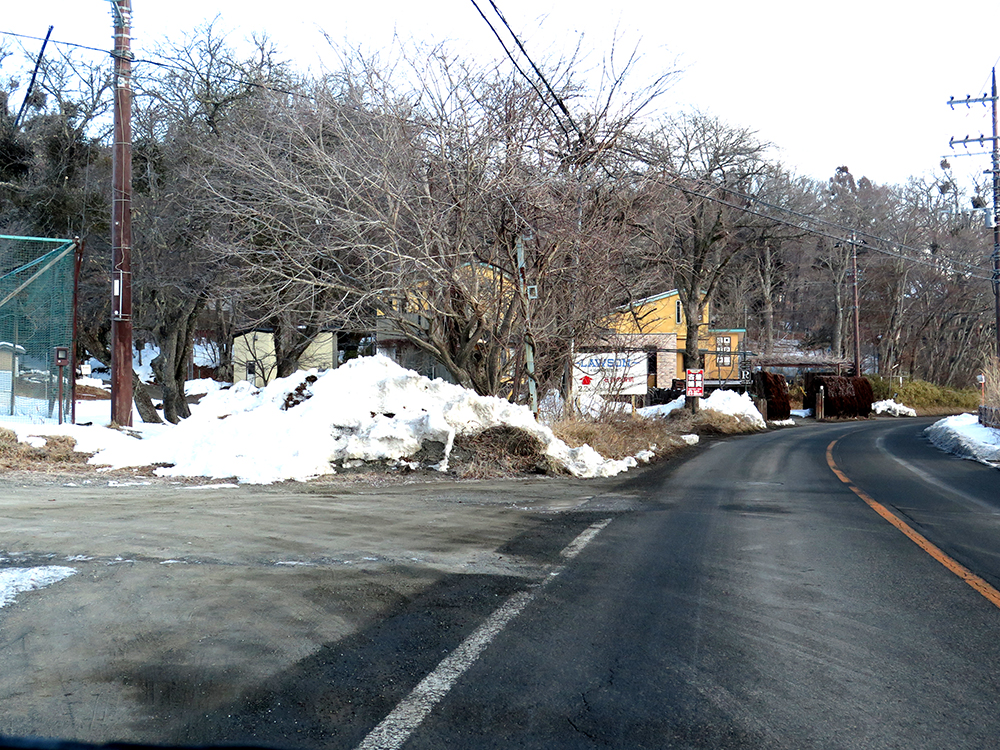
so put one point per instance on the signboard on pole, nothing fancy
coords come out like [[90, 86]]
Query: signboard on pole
[[611, 373], [695, 383]]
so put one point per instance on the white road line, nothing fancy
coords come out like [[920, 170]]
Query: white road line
[[934, 482], [396, 728]]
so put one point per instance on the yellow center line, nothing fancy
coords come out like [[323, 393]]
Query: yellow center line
[[916, 537]]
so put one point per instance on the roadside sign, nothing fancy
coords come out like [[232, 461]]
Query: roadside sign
[[611, 373], [695, 383]]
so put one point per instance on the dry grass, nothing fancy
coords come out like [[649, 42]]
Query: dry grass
[[57, 454], [92, 392], [499, 452], [992, 373], [619, 437], [510, 451]]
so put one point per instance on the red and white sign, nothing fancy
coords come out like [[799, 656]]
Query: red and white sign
[[695, 383], [611, 373]]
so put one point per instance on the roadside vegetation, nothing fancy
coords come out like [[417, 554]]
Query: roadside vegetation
[[266, 198], [927, 399], [57, 454], [992, 389], [622, 436]]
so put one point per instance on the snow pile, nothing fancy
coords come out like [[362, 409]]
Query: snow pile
[[299, 427], [964, 436], [893, 409], [201, 386], [662, 410], [738, 405], [15, 580]]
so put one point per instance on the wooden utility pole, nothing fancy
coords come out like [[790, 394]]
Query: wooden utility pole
[[121, 220], [857, 309]]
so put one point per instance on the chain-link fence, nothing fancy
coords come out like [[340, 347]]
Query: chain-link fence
[[36, 328]]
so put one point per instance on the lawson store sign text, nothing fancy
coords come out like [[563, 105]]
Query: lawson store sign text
[[609, 373]]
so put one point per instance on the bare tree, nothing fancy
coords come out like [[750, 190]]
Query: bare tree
[[177, 108], [697, 169], [409, 205]]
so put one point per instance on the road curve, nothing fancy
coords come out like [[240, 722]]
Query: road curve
[[756, 601]]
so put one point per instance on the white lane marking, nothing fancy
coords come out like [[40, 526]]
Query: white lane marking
[[934, 482], [575, 547], [396, 728]]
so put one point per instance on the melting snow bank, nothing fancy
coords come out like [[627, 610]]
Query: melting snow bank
[[726, 402], [300, 427], [893, 409], [965, 437], [13, 581]]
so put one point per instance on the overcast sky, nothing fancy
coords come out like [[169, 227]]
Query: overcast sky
[[856, 83]]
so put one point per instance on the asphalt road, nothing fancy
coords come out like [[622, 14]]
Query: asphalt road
[[758, 602], [748, 597]]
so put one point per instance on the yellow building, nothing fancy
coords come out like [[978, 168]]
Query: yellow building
[[253, 356], [658, 323]]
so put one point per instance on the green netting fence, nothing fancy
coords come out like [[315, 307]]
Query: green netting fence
[[36, 329]]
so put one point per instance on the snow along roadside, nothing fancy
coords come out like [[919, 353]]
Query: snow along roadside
[[964, 436]]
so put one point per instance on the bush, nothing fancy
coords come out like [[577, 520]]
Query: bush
[[992, 372], [925, 397], [881, 388], [499, 451]]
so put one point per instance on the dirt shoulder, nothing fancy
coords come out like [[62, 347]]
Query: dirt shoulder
[[187, 595]]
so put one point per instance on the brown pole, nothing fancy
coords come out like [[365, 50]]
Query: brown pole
[[121, 221], [77, 263], [857, 310]]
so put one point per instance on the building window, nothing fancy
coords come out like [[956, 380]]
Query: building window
[[679, 312]]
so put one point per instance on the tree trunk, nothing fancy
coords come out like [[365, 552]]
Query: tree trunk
[[290, 343], [99, 351], [765, 274], [693, 312], [838, 322], [175, 337]]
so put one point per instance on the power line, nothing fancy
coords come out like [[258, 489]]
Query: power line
[[162, 64], [968, 269], [971, 270], [54, 41], [541, 76]]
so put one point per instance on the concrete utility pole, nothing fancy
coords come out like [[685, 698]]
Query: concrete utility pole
[[981, 140], [121, 220], [996, 212], [529, 341]]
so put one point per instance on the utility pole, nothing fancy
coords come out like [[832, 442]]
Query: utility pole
[[121, 220], [857, 309], [992, 99], [527, 293]]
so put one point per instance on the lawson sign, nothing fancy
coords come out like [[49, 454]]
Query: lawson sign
[[610, 373]]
